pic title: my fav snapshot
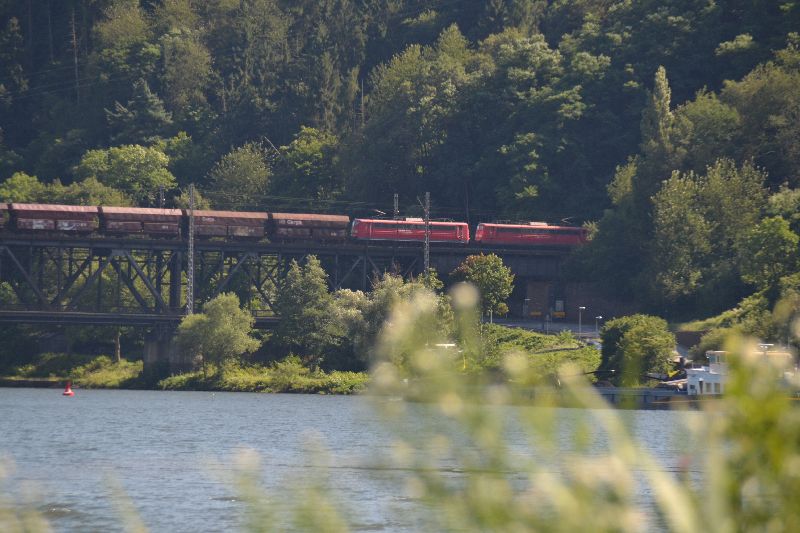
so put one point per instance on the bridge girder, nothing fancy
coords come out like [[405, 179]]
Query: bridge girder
[[109, 279]]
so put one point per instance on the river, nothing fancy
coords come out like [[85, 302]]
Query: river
[[172, 454]]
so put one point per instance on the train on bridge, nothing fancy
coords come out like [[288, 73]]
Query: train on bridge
[[207, 224]]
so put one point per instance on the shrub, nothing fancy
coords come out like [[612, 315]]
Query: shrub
[[102, 373], [635, 345]]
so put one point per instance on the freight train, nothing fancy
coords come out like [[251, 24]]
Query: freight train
[[285, 227]]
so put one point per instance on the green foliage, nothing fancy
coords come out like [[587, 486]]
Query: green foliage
[[493, 279], [698, 223], [219, 334], [23, 188], [636, 345], [543, 355], [786, 204], [682, 239], [143, 120], [240, 178], [288, 375], [183, 200], [304, 306], [769, 252], [56, 365], [12, 72], [309, 169], [125, 24], [103, 373], [712, 129], [187, 69], [85, 371], [136, 170]]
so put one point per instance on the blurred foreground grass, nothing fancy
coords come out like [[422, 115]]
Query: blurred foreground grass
[[467, 476]]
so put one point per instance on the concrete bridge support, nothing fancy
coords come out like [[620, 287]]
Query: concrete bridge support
[[161, 355]]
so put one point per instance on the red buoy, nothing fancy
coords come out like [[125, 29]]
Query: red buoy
[[68, 390]]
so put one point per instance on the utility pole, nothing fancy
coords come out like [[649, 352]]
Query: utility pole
[[161, 196], [190, 261], [396, 206], [427, 261]]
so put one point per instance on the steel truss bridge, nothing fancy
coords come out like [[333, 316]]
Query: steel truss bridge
[[142, 282]]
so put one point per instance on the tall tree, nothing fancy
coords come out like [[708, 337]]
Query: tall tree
[[681, 239], [636, 345], [303, 304], [240, 178], [143, 120], [219, 334], [491, 277], [769, 252], [309, 166]]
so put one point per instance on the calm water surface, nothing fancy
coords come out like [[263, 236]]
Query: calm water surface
[[173, 454]]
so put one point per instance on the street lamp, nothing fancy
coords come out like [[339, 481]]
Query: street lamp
[[581, 309], [597, 320]]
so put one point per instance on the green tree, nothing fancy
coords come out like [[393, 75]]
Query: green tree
[[143, 120], [123, 49], [660, 150], [310, 166], [187, 68], [182, 201], [12, 73], [22, 188], [304, 307], [240, 178], [682, 238], [136, 170], [636, 345], [712, 130], [363, 317], [219, 334], [87, 192], [769, 252], [786, 203], [768, 103], [492, 278]]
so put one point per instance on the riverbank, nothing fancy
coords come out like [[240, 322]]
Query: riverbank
[[101, 372]]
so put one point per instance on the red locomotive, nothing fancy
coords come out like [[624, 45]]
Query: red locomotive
[[531, 234], [410, 229]]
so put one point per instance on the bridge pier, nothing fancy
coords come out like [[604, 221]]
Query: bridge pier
[[161, 355]]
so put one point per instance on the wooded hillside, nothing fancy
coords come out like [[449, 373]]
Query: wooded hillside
[[671, 127]]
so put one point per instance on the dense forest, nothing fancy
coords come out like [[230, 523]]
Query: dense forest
[[671, 128]]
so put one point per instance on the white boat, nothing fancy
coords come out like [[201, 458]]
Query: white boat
[[711, 379]]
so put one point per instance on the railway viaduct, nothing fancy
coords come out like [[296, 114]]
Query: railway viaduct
[[142, 282]]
